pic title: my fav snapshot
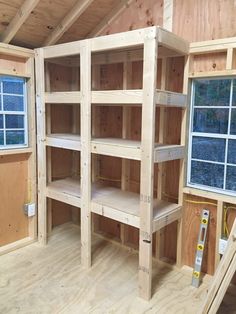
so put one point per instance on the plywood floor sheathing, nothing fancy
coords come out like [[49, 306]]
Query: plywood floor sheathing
[[50, 279]]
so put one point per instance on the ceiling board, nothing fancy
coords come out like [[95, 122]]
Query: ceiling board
[[8, 10], [89, 20], [45, 17]]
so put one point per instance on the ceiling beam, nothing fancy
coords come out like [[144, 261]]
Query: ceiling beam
[[20, 17], [112, 15], [67, 21]]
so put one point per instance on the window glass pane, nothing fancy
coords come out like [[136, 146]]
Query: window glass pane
[[13, 86], [234, 93], [15, 137], [13, 103], [14, 121], [232, 152], [212, 92], [1, 138], [231, 178], [210, 120], [207, 174], [206, 148], [1, 121], [233, 122]]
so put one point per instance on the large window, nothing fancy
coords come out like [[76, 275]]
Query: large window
[[212, 140], [13, 112]]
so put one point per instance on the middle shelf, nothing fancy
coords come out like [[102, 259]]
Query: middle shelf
[[116, 147], [110, 202]]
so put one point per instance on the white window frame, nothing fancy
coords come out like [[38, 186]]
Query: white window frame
[[212, 135], [23, 113]]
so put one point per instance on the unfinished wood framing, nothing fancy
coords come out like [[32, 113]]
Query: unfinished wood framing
[[139, 210], [21, 16]]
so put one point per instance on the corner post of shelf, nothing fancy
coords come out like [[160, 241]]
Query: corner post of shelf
[[147, 162], [85, 78], [182, 170], [41, 148]]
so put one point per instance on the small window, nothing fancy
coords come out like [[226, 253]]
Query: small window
[[13, 113], [212, 140]]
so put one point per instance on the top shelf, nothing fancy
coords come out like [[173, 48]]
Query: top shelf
[[126, 40], [118, 97]]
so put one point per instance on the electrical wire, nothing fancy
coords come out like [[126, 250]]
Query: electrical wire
[[200, 202]]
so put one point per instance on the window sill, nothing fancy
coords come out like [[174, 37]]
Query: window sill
[[15, 151]]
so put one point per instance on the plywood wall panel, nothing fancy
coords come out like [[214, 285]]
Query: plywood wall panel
[[191, 225], [62, 118], [209, 62], [14, 194], [204, 19], [61, 78], [12, 65], [140, 14], [61, 213]]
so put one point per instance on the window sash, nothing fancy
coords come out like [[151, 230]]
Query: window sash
[[227, 137], [23, 112]]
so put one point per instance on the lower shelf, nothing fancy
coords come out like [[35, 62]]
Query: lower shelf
[[124, 206], [113, 203], [66, 191]]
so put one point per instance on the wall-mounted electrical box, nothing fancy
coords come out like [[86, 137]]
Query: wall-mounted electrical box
[[30, 209]]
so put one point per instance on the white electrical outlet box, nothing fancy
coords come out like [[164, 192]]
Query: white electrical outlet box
[[222, 246], [30, 209]]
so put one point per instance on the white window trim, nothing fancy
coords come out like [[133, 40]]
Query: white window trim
[[213, 135], [23, 113]]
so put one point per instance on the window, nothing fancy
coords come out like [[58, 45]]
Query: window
[[212, 141], [13, 112]]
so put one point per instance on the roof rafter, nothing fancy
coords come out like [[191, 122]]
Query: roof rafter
[[20, 17], [112, 15], [67, 21]]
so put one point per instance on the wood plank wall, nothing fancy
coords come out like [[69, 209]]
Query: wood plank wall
[[17, 168]]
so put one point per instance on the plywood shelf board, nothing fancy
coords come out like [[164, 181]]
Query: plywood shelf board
[[125, 206], [132, 96], [65, 190], [132, 149], [112, 202], [64, 140]]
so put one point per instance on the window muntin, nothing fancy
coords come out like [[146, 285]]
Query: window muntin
[[212, 140], [13, 112]]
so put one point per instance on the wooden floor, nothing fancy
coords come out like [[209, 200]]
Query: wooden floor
[[50, 279]]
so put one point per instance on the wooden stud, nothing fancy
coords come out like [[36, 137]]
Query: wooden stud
[[229, 58], [85, 69], [41, 127], [182, 165], [168, 15], [219, 225], [32, 197], [96, 78], [161, 171], [49, 150], [147, 159], [126, 126]]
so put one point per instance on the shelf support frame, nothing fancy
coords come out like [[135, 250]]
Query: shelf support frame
[[147, 163]]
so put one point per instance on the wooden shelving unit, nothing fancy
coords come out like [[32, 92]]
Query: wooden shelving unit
[[142, 211]]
